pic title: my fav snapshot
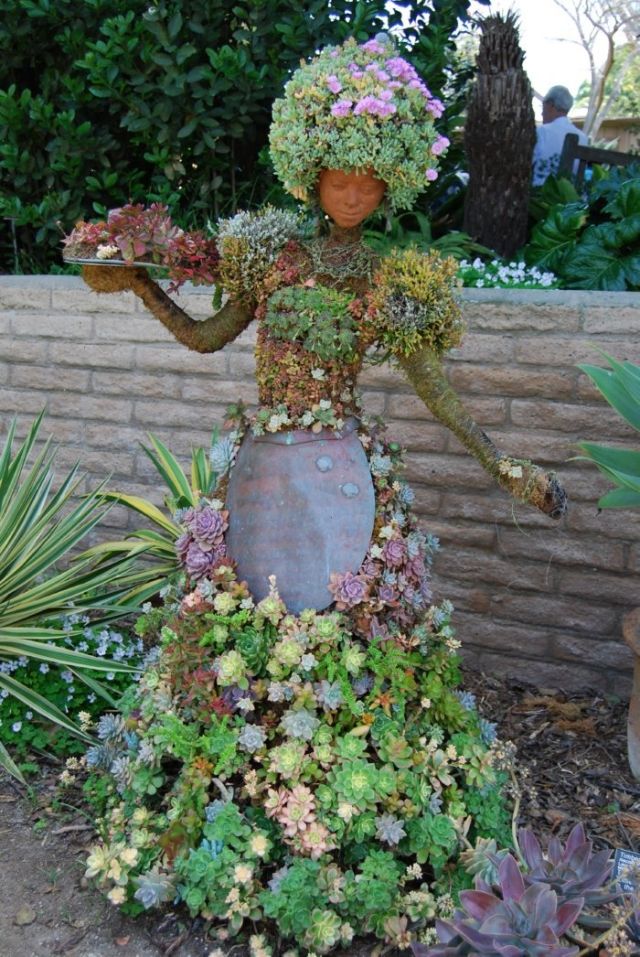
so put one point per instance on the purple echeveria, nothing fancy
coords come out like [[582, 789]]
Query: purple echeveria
[[362, 685], [571, 870], [207, 526], [348, 589], [198, 561], [387, 594], [515, 921], [394, 552], [182, 546]]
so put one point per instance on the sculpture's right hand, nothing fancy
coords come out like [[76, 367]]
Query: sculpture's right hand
[[113, 278]]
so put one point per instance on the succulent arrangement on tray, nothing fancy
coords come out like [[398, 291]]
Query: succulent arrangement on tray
[[135, 235]]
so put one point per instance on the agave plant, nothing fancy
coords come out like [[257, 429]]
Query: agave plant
[[514, 921], [183, 492], [620, 385], [38, 527]]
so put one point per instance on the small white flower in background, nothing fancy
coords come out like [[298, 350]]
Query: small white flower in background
[[318, 374], [85, 720], [44, 668], [16, 726], [106, 252]]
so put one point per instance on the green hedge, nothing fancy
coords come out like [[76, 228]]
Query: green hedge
[[109, 101]]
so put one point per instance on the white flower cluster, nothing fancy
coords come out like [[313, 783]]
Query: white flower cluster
[[506, 275]]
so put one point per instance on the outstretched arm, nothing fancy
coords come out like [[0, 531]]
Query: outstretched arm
[[523, 480], [207, 335]]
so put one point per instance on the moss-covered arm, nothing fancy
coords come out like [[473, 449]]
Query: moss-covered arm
[[207, 335], [523, 480]]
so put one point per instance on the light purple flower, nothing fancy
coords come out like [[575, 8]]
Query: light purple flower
[[341, 108], [431, 175], [386, 95], [389, 829], [372, 46], [334, 83], [355, 71], [440, 145], [400, 69], [365, 105], [435, 107], [374, 106]]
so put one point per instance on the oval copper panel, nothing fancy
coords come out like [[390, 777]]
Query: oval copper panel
[[301, 506]]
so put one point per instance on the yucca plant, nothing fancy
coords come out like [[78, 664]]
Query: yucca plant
[[183, 492], [620, 385], [38, 528]]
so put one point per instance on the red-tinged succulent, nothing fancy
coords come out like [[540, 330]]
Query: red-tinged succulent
[[191, 257], [140, 232], [515, 921]]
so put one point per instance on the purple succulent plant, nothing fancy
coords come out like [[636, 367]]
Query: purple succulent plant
[[571, 871], [394, 552], [207, 527], [348, 589], [516, 921], [198, 562]]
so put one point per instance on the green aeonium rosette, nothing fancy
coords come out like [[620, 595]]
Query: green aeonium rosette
[[357, 107]]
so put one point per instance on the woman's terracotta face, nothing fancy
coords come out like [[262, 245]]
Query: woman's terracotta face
[[348, 198]]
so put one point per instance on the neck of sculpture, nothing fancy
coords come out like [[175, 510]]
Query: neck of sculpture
[[343, 236]]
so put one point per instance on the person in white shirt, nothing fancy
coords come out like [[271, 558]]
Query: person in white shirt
[[550, 136]]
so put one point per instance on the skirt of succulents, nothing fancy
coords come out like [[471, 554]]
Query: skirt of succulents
[[297, 754]]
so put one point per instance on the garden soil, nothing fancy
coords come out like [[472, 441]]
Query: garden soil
[[571, 749]]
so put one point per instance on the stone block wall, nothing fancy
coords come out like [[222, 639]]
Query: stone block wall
[[534, 598]]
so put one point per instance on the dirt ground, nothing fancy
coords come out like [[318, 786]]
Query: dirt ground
[[573, 745]]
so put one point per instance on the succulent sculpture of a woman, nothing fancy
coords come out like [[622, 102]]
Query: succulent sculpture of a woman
[[328, 658]]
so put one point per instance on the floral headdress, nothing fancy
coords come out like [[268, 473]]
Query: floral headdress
[[357, 107]]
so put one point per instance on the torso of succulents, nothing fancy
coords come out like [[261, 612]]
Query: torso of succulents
[[312, 327]]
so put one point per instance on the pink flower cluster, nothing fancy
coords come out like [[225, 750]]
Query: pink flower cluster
[[396, 74], [375, 105]]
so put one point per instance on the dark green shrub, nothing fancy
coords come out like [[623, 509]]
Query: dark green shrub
[[102, 103], [590, 240]]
